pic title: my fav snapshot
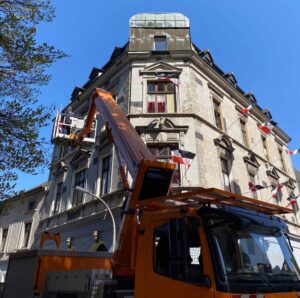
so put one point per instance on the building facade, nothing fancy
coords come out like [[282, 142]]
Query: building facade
[[177, 98], [19, 219]]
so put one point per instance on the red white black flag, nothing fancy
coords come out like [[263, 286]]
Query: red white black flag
[[293, 152], [246, 110], [182, 157], [254, 187], [266, 127], [292, 200], [276, 190], [168, 78]]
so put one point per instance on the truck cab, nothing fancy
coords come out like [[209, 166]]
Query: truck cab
[[214, 251]]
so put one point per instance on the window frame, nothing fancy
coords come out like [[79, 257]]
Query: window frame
[[189, 261], [281, 157], [265, 147], [26, 237], [228, 167], [107, 172], [57, 200], [77, 193], [218, 117], [169, 89], [4, 245], [254, 193], [31, 205], [158, 41], [244, 132]]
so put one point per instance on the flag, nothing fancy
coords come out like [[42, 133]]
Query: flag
[[176, 157], [167, 78], [293, 152], [182, 157], [266, 127], [276, 190], [254, 187], [246, 110], [187, 157], [292, 200]]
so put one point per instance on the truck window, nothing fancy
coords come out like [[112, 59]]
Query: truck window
[[177, 251]]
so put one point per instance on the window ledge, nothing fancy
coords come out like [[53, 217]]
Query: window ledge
[[28, 211]]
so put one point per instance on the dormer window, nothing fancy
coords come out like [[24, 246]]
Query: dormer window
[[160, 43]]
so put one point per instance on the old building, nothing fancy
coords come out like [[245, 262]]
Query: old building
[[177, 98], [19, 219]]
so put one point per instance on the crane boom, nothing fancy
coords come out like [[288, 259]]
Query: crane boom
[[150, 178], [129, 144]]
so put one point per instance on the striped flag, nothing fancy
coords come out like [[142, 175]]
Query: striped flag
[[167, 78], [276, 190], [254, 187], [292, 200], [246, 110], [266, 127], [182, 157], [293, 152]]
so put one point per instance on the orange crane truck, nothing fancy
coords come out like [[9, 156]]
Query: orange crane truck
[[207, 243]]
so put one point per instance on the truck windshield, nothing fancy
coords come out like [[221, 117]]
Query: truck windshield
[[251, 256]]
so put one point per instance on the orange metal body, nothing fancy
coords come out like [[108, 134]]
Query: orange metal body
[[51, 263]]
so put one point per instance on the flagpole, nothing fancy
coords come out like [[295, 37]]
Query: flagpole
[[187, 169], [226, 130]]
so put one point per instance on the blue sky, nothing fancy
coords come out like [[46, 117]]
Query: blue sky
[[258, 41]]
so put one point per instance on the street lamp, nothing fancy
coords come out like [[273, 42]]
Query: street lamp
[[113, 246]]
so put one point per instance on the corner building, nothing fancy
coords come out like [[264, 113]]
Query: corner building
[[177, 98]]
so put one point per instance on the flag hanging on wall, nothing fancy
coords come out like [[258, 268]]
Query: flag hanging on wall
[[292, 200], [254, 187], [276, 190], [182, 157], [266, 127], [293, 152], [246, 110]]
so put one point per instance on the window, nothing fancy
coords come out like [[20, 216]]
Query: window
[[252, 179], [57, 198], [283, 166], [160, 97], [79, 181], [225, 174], [160, 43], [217, 112], [162, 152], [244, 133], [31, 205], [177, 250], [4, 238], [27, 229], [265, 148], [105, 177]]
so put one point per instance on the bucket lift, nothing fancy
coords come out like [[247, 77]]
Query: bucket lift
[[66, 124]]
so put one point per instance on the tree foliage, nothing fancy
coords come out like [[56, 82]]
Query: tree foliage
[[23, 65]]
